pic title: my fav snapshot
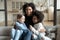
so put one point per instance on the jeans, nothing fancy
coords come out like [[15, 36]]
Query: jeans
[[16, 34], [36, 37], [26, 35]]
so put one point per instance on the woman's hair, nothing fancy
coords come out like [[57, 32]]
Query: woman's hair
[[19, 16], [28, 5], [39, 15]]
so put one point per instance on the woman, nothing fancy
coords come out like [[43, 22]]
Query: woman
[[28, 9]]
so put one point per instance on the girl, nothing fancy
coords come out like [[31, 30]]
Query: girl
[[38, 29], [20, 28]]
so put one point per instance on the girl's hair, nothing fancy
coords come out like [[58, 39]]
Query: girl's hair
[[28, 5], [19, 16], [39, 15]]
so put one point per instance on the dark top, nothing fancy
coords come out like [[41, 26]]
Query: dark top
[[28, 21]]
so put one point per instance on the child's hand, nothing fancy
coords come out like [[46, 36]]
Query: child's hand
[[34, 36], [42, 30], [30, 26]]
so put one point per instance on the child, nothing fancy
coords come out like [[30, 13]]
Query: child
[[38, 29], [20, 28]]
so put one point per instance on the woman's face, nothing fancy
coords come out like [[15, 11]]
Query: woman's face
[[29, 11], [35, 19]]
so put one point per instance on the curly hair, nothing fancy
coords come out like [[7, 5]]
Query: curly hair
[[39, 15], [28, 5]]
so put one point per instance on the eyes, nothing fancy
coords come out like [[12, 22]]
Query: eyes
[[34, 18], [28, 9]]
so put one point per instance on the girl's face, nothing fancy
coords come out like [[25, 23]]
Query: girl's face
[[22, 19], [29, 11], [35, 19]]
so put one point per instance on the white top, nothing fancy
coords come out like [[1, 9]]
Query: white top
[[37, 27]]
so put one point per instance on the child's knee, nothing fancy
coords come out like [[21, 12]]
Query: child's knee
[[19, 31], [12, 29], [35, 37]]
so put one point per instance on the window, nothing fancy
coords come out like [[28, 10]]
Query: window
[[58, 17], [47, 7], [2, 13], [12, 14], [58, 13], [13, 5], [17, 5], [2, 18], [1, 4]]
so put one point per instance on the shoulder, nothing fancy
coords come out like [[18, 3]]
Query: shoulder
[[17, 23], [39, 24]]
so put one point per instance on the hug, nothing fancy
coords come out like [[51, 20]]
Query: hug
[[29, 25]]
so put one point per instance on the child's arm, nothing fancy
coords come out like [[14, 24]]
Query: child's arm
[[34, 30], [41, 28], [20, 26]]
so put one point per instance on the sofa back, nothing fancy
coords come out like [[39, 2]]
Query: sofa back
[[5, 31]]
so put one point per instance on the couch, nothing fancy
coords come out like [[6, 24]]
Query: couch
[[5, 32], [51, 32]]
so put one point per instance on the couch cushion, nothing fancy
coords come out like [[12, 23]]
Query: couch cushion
[[5, 31], [50, 28], [58, 33], [4, 38]]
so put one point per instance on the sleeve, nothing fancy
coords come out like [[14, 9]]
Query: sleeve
[[40, 26], [34, 30], [18, 25]]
